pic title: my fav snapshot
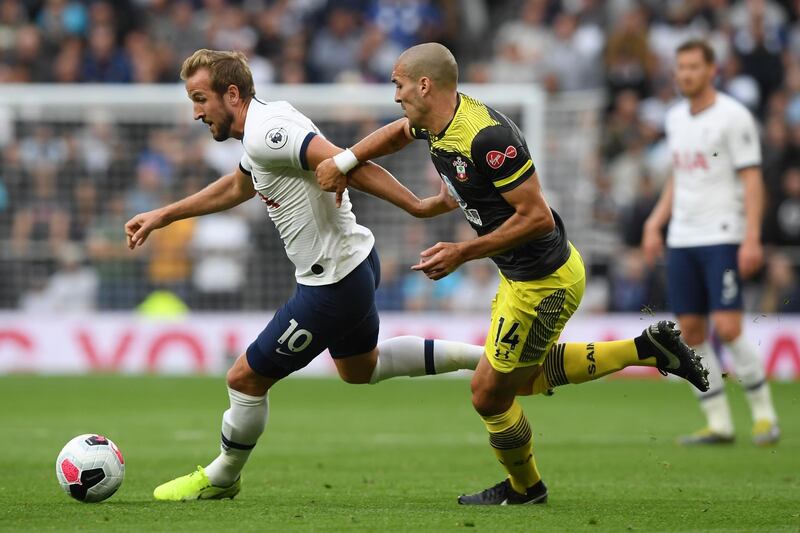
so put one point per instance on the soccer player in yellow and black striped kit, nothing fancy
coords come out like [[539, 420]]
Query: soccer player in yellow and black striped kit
[[486, 167]]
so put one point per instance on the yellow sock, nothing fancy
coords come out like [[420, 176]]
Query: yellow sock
[[510, 437], [575, 362]]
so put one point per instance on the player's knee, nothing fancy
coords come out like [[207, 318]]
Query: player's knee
[[354, 371], [240, 377], [357, 369], [728, 331], [236, 378], [693, 331], [693, 337], [488, 402], [489, 405], [355, 378]]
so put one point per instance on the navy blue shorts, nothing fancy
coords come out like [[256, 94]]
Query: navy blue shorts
[[701, 279], [341, 317]]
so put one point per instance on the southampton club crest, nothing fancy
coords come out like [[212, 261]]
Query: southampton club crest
[[276, 138], [461, 169]]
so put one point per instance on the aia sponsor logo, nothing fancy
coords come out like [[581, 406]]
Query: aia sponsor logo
[[461, 169], [495, 159], [689, 161], [270, 202]]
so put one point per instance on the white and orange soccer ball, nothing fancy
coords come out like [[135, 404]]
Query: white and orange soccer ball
[[90, 468]]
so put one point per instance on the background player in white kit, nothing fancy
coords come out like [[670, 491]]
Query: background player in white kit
[[713, 203], [337, 267]]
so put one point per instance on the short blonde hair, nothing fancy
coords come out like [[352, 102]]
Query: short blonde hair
[[224, 68]]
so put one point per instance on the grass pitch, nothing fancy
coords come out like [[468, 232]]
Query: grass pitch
[[394, 456]]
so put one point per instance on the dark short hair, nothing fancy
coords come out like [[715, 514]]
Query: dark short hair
[[698, 44]]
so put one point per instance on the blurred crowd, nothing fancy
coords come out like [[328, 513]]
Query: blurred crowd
[[66, 189]]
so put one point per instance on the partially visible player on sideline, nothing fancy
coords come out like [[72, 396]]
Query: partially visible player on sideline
[[485, 163], [337, 267], [713, 202]]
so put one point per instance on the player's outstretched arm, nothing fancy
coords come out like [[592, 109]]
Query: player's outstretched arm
[[652, 239], [532, 218], [377, 181], [389, 139], [331, 172], [226, 192], [439, 204]]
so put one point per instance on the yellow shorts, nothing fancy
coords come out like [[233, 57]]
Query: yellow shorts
[[528, 316]]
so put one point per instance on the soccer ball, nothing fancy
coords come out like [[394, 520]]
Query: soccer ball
[[90, 468]]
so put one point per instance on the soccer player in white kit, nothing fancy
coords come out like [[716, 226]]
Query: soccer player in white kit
[[713, 203], [336, 266]]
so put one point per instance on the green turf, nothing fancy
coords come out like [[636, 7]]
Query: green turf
[[393, 457]]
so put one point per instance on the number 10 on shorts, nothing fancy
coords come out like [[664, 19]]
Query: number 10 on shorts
[[295, 339]]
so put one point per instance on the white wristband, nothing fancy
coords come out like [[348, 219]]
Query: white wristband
[[345, 161]]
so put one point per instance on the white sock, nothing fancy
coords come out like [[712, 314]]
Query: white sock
[[714, 402], [242, 424], [750, 373], [415, 356]]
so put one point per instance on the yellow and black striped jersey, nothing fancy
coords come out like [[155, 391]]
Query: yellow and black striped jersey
[[481, 154]]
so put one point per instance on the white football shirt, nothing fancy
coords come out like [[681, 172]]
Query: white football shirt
[[708, 149], [324, 242]]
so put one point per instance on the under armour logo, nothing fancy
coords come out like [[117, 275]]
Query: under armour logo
[[495, 159]]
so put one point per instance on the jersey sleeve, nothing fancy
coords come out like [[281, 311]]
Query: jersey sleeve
[[284, 144], [743, 141], [245, 165], [500, 153]]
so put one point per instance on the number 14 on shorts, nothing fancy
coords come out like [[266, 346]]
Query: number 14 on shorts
[[509, 339]]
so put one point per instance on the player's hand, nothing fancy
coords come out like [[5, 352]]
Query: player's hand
[[436, 205], [139, 227], [440, 259], [750, 259], [652, 245], [330, 179]]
